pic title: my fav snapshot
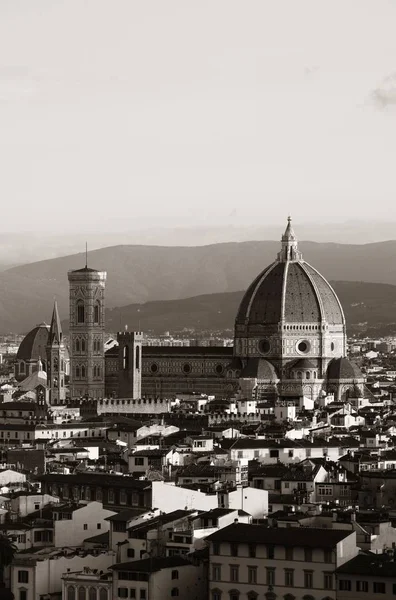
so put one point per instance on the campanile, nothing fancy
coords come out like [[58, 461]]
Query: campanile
[[87, 331]]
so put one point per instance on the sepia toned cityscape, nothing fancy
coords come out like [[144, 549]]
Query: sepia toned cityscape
[[197, 300]]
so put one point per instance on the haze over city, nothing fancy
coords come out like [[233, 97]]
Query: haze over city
[[137, 115]]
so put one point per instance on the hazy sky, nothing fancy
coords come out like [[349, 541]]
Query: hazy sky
[[113, 112]]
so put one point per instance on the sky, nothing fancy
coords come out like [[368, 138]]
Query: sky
[[127, 114]]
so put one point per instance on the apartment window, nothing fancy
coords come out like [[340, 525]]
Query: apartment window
[[216, 572], [308, 580], [22, 594], [308, 554], [174, 592], [234, 594], [23, 576], [252, 550], [344, 585], [289, 553], [289, 577], [139, 461], [132, 593], [234, 573], [143, 595], [252, 574], [252, 596], [216, 595], [85, 526], [362, 586], [328, 581], [98, 525], [328, 556], [274, 453], [234, 549], [110, 496], [216, 548], [270, 576], [123, 592], [379, 587], [175, 574], [271, 552]]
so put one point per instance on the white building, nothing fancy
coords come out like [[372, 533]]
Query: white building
[[84, 522], [249, 561]]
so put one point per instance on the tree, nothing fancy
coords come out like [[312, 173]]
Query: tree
[[7, 553]]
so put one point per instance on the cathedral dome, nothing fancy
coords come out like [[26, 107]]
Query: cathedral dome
[[259, 368], [34, 344], [290, 291]]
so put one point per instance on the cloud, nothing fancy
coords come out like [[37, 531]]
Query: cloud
[[385, 94]]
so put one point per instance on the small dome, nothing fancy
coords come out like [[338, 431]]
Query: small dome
[[305, 363], [342, 368], [33, 345], [259, 368]]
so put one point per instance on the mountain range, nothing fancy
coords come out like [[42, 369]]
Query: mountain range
[[139, 274]]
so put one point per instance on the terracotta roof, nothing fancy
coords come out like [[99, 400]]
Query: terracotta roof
[[308, 297], [342, 368], [369, 565], [294, 536], [34, 343], [151, 565]]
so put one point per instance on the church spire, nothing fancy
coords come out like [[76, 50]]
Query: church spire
[[55, 334], [289, 244]]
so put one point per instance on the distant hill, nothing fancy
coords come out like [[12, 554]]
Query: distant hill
[[139, 274], [373, 305]]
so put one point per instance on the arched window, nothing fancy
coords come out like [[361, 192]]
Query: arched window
[[71, 593], [92, 593], [175, 592], [138, 357], [81, 593], [315, 374], [175, 574], [83, 345], [103, 594], [125, 358], [308, 375], [216, 594], [78, 372], [83, 372], [299, 375], [97, 312], [80, 312], [77, 345], [234, 594]]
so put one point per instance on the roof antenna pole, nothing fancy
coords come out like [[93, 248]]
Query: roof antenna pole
[[86, 254]]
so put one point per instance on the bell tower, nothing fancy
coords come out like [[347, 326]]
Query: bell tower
[[56, 360], [87, 330]]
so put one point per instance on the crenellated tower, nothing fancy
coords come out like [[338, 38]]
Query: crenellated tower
[[56, 363], [130, 364], [87, 330]]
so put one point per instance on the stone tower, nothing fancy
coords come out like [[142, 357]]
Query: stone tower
[[130, 364], [56, 364], [87, 330]]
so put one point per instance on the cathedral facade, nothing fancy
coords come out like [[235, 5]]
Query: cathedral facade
[[289, 341]]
